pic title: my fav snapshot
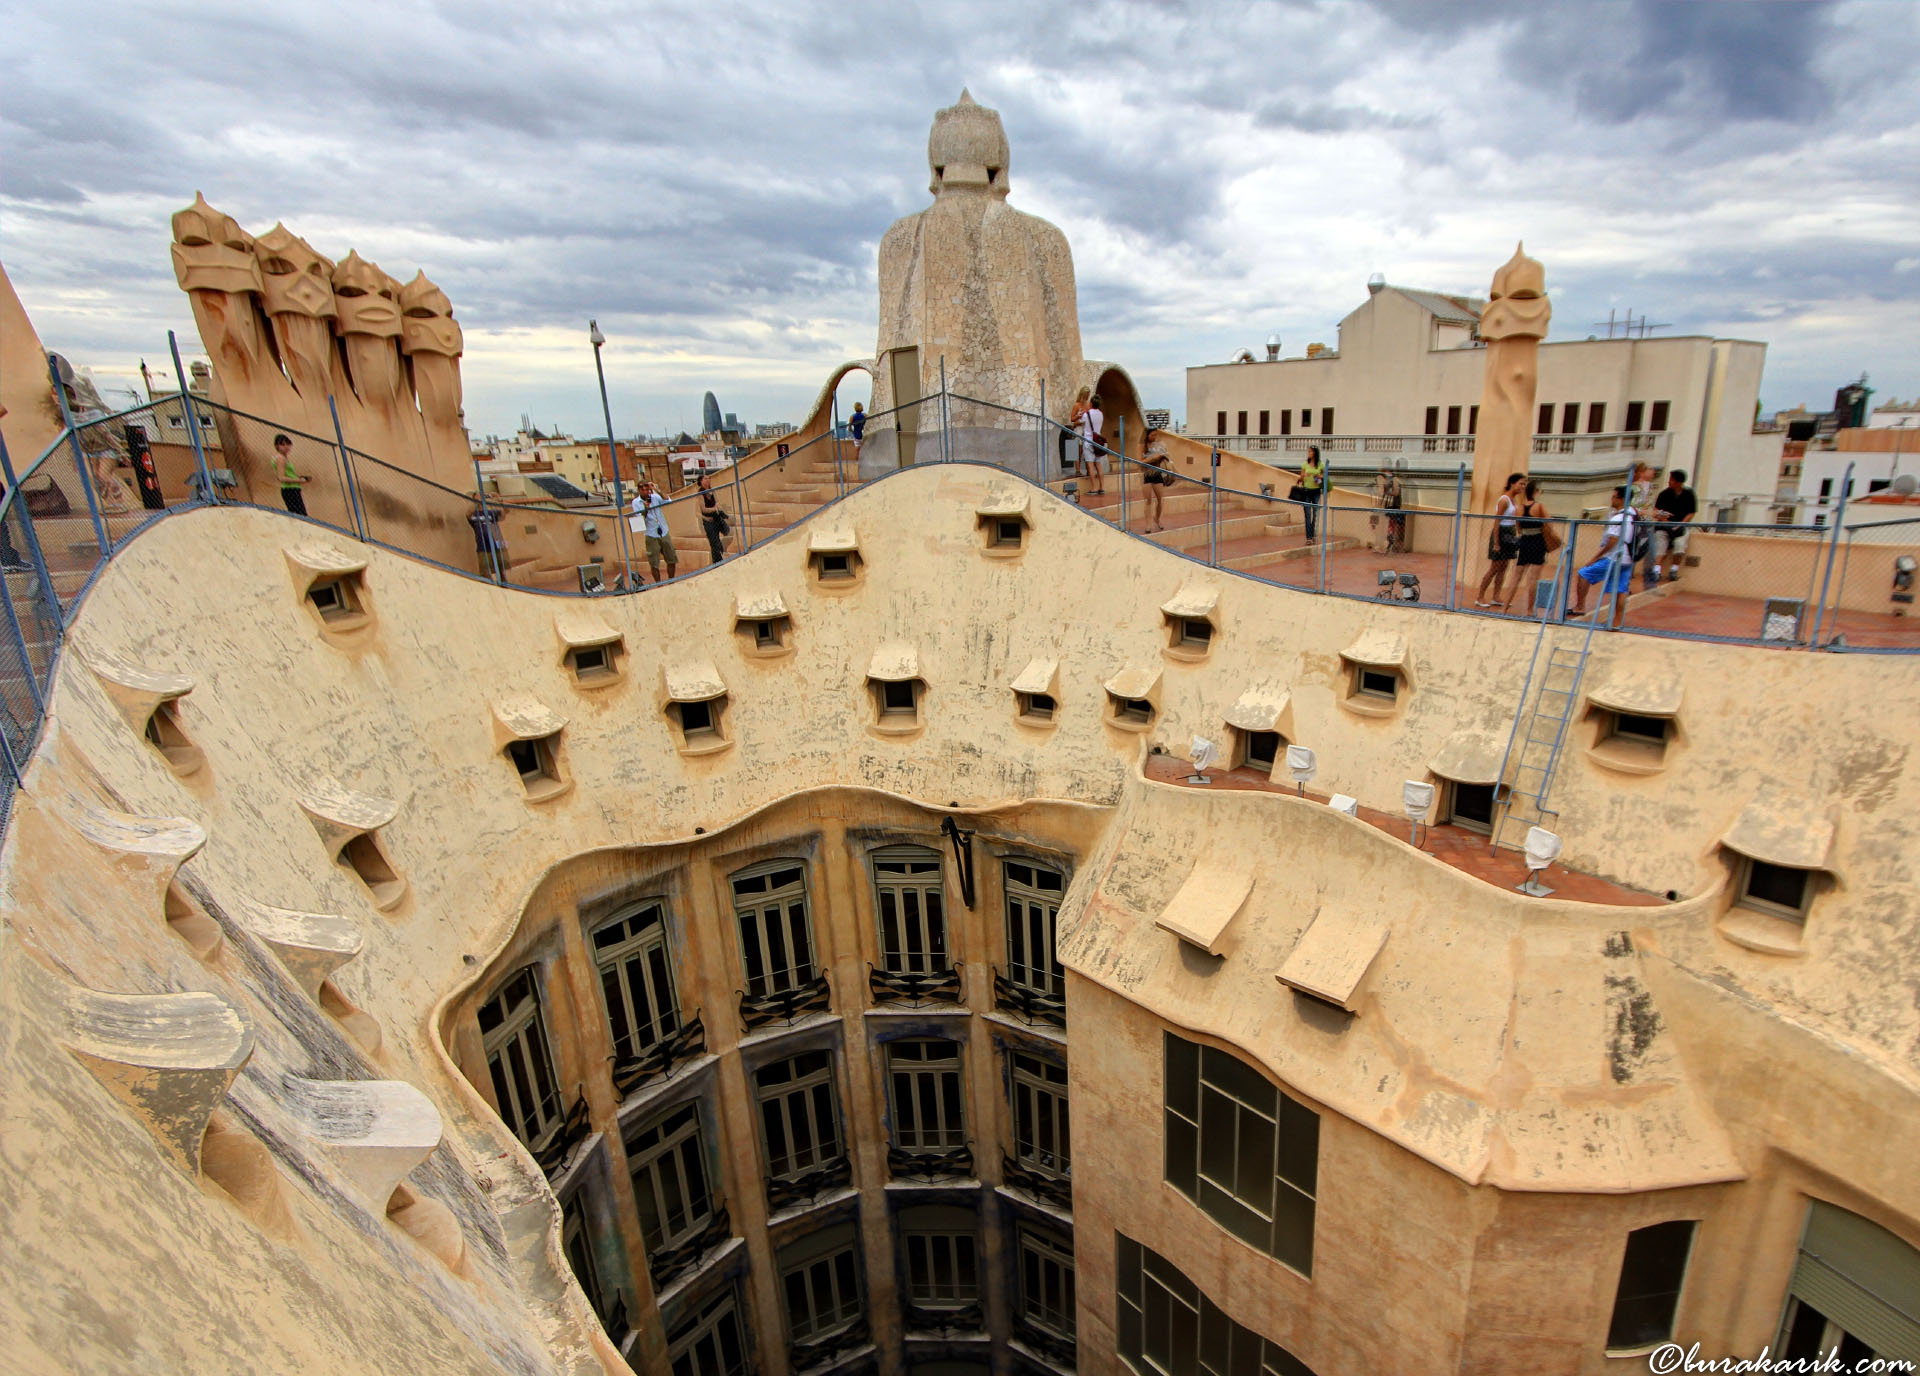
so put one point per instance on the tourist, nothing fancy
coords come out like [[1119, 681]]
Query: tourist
[[1503, 542], [1088, 424], [1646, 487], [1613, 566], [713, 520], [1675, 507], [1154, 477], [289, 478], [649, 518], [1392, 508], [857, 427], [1530, 549], [1310, 489], [1069, 436], [487, 543], [10, 560]]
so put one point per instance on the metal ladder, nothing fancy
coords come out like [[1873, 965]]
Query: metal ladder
[[1539, 736]]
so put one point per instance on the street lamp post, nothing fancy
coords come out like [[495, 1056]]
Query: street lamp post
[[613, 452]]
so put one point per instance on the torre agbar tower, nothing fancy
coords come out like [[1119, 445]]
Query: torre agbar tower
[[824, 964]]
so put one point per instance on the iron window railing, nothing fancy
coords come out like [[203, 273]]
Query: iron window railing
[[630, 1072]]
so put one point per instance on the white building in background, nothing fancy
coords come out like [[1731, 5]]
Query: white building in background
[[1403, 388]]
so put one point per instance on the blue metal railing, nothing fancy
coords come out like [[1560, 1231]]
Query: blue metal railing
[[53, 547]]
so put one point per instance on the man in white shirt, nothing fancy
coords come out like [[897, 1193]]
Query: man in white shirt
[[649, 518], [1613, 566]]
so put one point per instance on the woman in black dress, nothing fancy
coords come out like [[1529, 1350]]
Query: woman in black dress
[[1155, 478], [1532, 553], [713, 521]]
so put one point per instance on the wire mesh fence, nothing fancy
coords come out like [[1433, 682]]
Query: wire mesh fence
[[1844, 586]]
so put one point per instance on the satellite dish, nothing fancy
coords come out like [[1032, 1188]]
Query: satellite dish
[[1905, 484]]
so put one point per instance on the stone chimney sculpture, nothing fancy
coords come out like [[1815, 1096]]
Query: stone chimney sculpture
[[1513, 324], [288, 328], [974, 282]]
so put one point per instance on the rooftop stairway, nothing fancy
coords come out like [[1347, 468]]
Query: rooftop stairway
[[1258, 535]]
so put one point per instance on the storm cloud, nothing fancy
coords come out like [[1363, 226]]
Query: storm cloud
[[711, 183]]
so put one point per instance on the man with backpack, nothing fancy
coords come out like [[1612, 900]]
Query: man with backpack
[[1612, 568]]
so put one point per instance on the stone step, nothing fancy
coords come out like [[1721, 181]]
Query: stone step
[[1194, 535], [1176, 501], [1251, 559]]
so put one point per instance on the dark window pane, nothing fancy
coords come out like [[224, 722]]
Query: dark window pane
[[1293, 1230], [1299, 1145], [1217, 1115], [1651, 1269], [1253, 1170], [1238, 1079], [1183, 1077], [1776, 884]]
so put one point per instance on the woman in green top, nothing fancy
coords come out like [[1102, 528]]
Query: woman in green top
[[1311, 489]]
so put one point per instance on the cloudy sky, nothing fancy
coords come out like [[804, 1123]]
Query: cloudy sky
[[712, 182]]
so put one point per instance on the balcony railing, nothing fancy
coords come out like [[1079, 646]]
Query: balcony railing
[[1051, 1189], [1029, 1004], [1049, 1344], [805, 1356], [1582, 451], [945, 1163], [936, 986], [573, 1130], [630, 1072], [924, 1318], [669, 1262], [759, 1010], [804, 1189]]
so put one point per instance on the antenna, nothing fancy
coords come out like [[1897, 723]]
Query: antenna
[[1629, 328]]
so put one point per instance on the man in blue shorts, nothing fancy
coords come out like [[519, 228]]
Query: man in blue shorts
[[1613, 566]]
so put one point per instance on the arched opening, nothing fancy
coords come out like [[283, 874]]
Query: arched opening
[[853, 387], [1119, 401]]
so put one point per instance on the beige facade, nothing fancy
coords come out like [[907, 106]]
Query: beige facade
[[354, 832], [1409, 364]]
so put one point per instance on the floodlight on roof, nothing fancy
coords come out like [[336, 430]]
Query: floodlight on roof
[[1543, 848], [1301, 764], [1417, 797], [1340, 802], [1203, 752]]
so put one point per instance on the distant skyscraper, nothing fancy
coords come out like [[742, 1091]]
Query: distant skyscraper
[[709, 413]]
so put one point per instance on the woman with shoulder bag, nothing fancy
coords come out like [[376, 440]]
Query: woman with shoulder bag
[[1536, 538], [1309, 490], [1154, 478]]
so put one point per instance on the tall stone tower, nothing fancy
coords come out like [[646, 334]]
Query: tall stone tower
[[976, 283], [1513, 324]]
